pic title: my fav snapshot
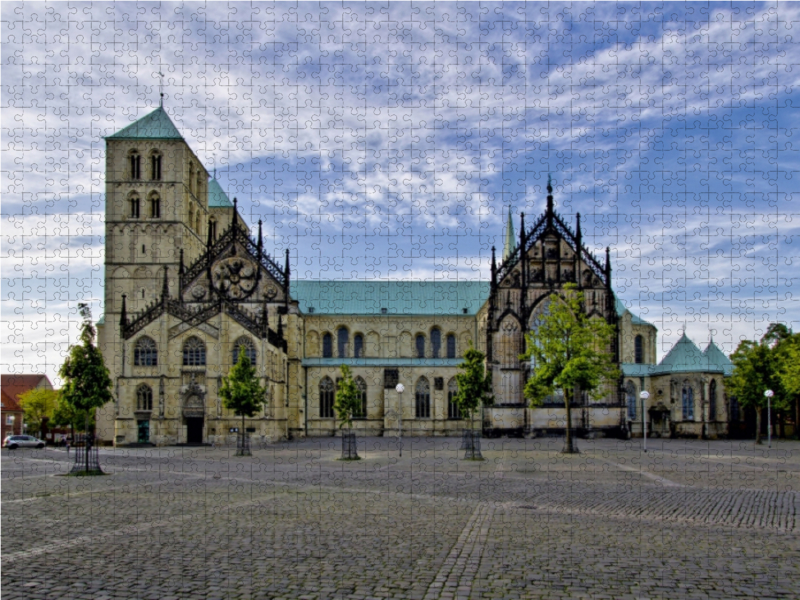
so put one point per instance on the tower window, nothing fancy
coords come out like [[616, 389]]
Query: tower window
[[451, 346], [420, 346], [134, 201], [155, 166], [358, 346], [436, 342], [144, 249], [638, 347], [155, 206], [135, 165]]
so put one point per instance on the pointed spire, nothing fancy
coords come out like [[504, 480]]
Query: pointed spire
[[181, 268], [208, 237], [578, 226], [235, 211], [286, 268], [123, 317], [165, 286], [522, 231], [494, 268], [549, 194], [265, 317], [511, 238], [260, 240], [608, 266]]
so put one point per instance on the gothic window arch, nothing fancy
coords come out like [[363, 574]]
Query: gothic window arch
[[144, 397], [327, 346], [133, 203], [420, 345], [155, 205], [453, 410], [630, 399], [342, 342], [509, 345], [249, 350], [145, 352], [451, 345], [194, 352], [687, 401], [361, 385], [155, 165], [422, 395], [134, 164], [712, 400], [327, 395], [436, 342], [638, 349], [358, 346]]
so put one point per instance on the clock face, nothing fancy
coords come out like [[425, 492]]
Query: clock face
[[235, 277]]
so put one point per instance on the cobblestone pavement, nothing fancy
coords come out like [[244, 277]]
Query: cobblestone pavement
[[688, 519]]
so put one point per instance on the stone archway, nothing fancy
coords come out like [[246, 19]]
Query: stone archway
[[194, 411]]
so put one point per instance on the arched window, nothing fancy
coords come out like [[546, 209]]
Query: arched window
[[133, 200], [420, 346], [327, 346], [155, 206], [144, 397], [135, 165], [423, 398], [358, 346], [194, 353], [362, 390], [630, 398], [451, 346], [249, 350], [155, 165], [327, 394], [453, 411], [638, 349], [436, 342], [712, 400], [687, 397], [342, 342], [145, 352]]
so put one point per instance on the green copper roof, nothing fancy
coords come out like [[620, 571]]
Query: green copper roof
[[397, 297], [685, 357], [383, 362], [216, 197], [634, 318], [716, 357], [155, 126], [636, 369]]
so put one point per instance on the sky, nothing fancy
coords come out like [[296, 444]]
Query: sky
[[389, 141]]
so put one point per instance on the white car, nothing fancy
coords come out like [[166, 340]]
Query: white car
[[12, 442]]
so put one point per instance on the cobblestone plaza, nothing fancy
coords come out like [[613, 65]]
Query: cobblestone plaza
[[688, 519]]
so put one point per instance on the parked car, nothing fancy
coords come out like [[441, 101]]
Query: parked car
[[12, 442]]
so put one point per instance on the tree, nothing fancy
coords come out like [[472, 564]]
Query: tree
[[66, 415], [569, 351], [39, 406], [348, 398], [242, 393], [756, 368], [789, 374], [87, 384], [474, 390]]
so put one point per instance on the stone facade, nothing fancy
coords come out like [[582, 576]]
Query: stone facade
[[187, 286]]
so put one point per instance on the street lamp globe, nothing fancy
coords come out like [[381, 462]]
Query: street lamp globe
[[400, 388]]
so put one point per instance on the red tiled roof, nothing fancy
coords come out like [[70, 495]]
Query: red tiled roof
[[10, 404], [14, 385]]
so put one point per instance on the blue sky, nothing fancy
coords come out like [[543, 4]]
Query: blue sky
[[388, 141]]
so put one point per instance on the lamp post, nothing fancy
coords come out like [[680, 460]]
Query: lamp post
[[644, 395], [769, 394], [400, 388]]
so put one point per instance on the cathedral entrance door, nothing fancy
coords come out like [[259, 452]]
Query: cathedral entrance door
[[194, 430], [143, 432]]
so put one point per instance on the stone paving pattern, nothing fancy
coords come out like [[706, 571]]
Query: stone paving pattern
[[688, 519]]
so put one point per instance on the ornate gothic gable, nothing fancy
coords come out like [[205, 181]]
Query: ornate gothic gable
[[233, 276]]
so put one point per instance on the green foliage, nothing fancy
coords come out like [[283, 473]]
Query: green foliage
[[789, 366], [87, 384], [571, 351], [66, 415], [474, 383], [348, 398], [241, 391], [39, 406]]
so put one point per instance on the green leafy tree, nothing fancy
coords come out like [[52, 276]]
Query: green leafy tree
[[569, 351], [348, 399], [474, 383], [789, 374], [242, 392], [757, 368], [87, 384], [39, 406], [66, 415]]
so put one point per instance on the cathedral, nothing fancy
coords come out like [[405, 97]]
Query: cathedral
[[187, 286]]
